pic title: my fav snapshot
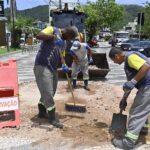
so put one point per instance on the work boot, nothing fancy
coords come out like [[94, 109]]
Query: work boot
[[74, 84], [53, 120], [42, 111], [125, 144], [144, 131], [86, 85]]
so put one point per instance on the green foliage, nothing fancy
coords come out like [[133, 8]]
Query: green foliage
[[23, 23], [41, 13], [104, 17], [132, 12], [102, 14], [146, 27], [107, 38], [36, 13], [5, 50]]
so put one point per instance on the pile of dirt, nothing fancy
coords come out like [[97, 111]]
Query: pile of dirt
[[80, 129]]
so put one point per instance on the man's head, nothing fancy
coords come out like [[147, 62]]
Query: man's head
[[116, 55], [75, 46], [69, 33]]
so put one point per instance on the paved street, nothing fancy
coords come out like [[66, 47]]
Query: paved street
[[25, 62], [116, 74]]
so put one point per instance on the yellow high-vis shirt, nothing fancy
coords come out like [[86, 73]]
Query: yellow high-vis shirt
[[135, 61], [49, 31]]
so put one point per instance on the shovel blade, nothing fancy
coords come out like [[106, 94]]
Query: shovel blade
[[119, 122]]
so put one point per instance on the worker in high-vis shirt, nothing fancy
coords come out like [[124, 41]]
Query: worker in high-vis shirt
[[47, 59], [137, 69]]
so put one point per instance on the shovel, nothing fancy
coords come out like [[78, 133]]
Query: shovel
[[119, 120]]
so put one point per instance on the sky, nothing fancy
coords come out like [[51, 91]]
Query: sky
[[25, 4]]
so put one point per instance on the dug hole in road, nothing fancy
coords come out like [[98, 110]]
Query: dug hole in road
[[81, 130]]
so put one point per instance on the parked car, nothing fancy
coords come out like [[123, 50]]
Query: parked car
[[118, 38], [125, 46], [121, 36], [141, 46]]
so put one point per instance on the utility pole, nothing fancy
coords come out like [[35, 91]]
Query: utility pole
[[140, 26], [49, 10], [13, 19], [140, 22]]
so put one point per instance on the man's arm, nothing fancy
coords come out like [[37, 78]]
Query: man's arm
[[142, 67], [89, 50], [139, 64], [62, 59], [142, 72], [90, 54], [75, 59]]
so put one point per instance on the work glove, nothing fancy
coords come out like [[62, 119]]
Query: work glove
[[128, 86], [58, 41], [65, 68], [90, 61], [123, 104]]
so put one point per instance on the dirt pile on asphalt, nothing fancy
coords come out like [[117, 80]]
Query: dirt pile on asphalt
[[80, 129]]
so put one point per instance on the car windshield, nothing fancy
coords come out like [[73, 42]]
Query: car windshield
[[122, 35], [143, 44]]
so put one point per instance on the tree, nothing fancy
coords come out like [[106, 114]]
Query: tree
[[102, 14], [146, 27], [22, 24]]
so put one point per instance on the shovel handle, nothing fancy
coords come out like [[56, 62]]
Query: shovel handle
[[126, 94]]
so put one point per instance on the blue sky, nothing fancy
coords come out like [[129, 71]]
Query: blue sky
[[24, 4]]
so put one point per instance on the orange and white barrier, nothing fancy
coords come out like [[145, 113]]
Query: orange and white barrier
[[9, 91]]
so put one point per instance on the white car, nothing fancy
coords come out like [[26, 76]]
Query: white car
[[121, 36]]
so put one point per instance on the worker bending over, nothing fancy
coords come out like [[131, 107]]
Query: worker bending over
[[137, 69]]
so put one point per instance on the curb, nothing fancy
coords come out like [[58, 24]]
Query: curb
[[11, 53]]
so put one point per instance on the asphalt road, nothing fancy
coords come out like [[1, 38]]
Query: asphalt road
[[25, 63]]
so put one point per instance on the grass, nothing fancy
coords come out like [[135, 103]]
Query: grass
[[5, 50]]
